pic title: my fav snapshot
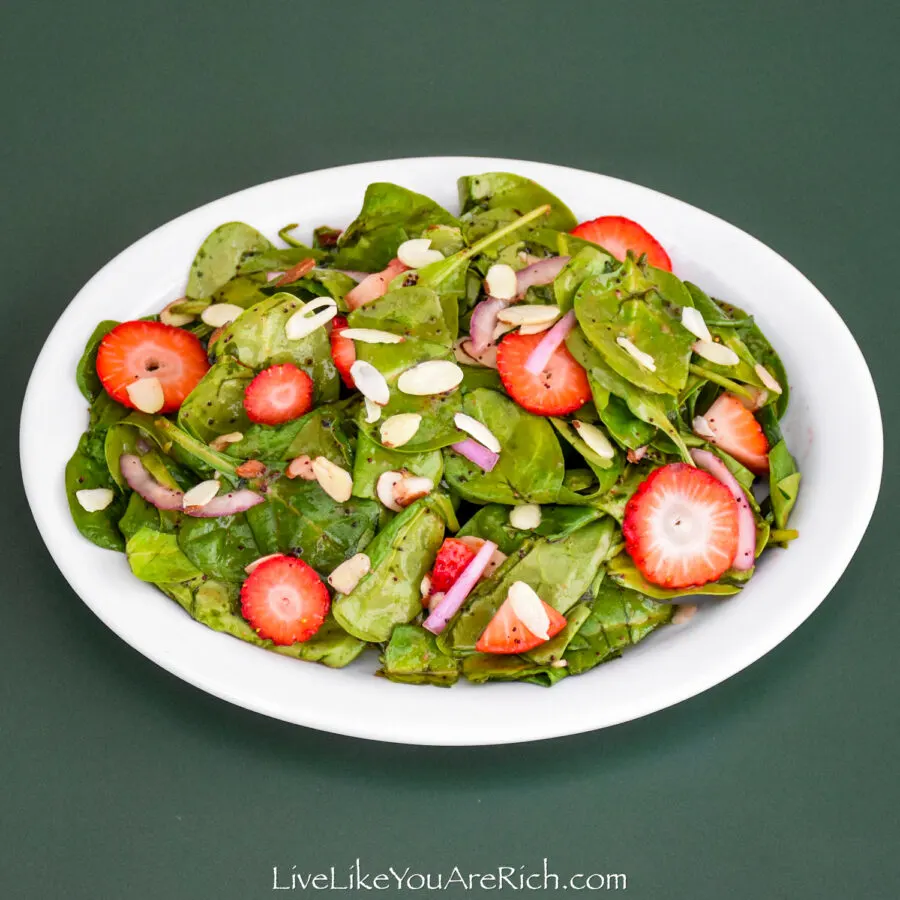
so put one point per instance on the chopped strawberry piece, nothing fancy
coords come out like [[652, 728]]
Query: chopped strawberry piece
[[506, 634], [452, 558], [343, 351], [375, 285], [278, 394], [681, 527], [562, 387], [735, 430], [297, 271], [618, 235], [135, 350], [284, 600]]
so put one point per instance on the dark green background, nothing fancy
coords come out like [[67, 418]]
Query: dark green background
[[119, 781]]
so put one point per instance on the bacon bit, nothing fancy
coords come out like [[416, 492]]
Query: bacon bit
[[296, 272], [250, 469]]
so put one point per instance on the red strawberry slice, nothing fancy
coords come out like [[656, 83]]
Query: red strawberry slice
[[135, 350], [681, 527], [343, 351], [561, 388], [284, 600], [506, 634], [618, 235], [297, 271], [278, 395], [734, 428], [452, 558], [374, 286]]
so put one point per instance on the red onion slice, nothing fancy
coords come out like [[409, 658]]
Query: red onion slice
[[540, 356], [484, 321], [274, 275], [746, 549], [229, 504], [477, 453], [462, 587], [544, 271], [143, 483]]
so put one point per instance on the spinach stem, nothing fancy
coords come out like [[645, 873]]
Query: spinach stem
[[782, 535], [215, 460], [722, 381]]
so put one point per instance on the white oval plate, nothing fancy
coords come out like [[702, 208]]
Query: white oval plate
[[827, 373]]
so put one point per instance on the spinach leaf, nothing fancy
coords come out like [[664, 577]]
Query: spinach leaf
[[155, 556], [220, 256], [493, 190], [412, 657], [320, 432], [372, 461], [216, 405], [589, 262], [139, 514], [555, 649], [86, 372], [412, 312], [277, 259], [483, 667], [219, 547], [84, 472], [784, 483], [622, 570], [401, 554]]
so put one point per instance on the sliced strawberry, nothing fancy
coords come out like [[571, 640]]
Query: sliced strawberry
[[374, 286], [343, 351], [135, 350], [734, 428], [681, 527], [618, 235], [506, 634], [297, 271], [561, 388], [452, 558], [284, 600], [278, 394]]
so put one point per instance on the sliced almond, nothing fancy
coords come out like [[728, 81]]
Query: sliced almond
[[644, 359], [526, 517], [437, 376], [146, 394], [176, 319], [500, 282], [559, 664], [335, 481], [223, 441], [425, 585], [535, 329], [309, 317], [200, 494], [528, 314], [94, 499], [434, 601], [694, 322], [384, 489], [370, 382], [373, 411], [258, 562], [684, 613], [595, 439], [701, 428], [372, 336], [417, 253], [301, 467], [411, 488], [529, 609], [349, 573], [716, 353], [218, 315], [400, 429], [766, 377], [500, 329], [477, 430]]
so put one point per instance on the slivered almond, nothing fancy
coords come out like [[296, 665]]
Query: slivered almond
[[694, 322], [766, 377], [500, 282], [349, 573], [400, 429], [417, 253], [595, 439], [200, 494], [371, 382], [309, 317], [437, 376], [335, 481], [373, 411], [477, 430], [94, 499], [644, 359], [301, 467], [716, 353], [372, 336], [526, 517], [252, 468], [167, 317], [146, 394], [258, 562], [529, 609], [223, 441], [411, 488], [218, 315], [528, 314], [384, 489], [535, 329]]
